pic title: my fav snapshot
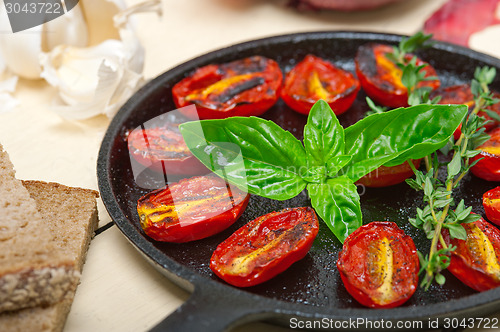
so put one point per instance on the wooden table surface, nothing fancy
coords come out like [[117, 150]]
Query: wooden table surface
[[119, 290]]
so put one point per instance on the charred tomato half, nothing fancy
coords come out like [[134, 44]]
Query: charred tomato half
[[313, 79], [240, 88], [379, 265], [163, 149], [491, 204], [475, 261], [488, 168], [191, 209], [380, 77], [265, 247]]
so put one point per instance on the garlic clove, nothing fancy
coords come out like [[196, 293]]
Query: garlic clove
[[69, 29], [20, 50], [99, 17], [99, 79], [81, 109], [92, 80]]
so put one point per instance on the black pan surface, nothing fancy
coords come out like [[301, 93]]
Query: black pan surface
[[312, 286]]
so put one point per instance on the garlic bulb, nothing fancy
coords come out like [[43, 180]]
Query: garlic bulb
[[91, 55], [21, 50], [92, 80]]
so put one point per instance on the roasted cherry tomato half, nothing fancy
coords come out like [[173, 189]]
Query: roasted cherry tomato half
[[491, 204], [239, 88], [387, 176], [488, 168], [475, 261], [163, 149], [313, 79], [191, 209], [462, 94], [265, 246], [380, 78], [379, 265]]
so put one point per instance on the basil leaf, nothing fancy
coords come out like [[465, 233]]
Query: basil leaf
[[335, 164], [315, 174], [254, 154], [323, 134], [393, 137], [337, 202]]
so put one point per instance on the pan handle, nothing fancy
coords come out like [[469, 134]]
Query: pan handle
[[211, 310]]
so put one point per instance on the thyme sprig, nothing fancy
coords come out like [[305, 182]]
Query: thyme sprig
[[410, 45], [438, 213]]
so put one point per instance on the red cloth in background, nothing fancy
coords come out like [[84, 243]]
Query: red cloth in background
[[457, 20]]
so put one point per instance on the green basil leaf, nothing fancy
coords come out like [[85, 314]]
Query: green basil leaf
[[254, 154], [336, 201], [315, 174], [393, 137], [335, 164], [323, 134]]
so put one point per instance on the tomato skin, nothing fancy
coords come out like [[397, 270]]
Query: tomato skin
[[191, 209], [164, 150], [380, 78], [240, 88], [364, 260], [489, 167], [462, 94], [388, 176], [314, 78], [472, 258], [491, 204], [265, 246]]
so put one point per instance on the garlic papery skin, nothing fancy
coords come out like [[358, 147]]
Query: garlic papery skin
[[68, 29], [93, 80], [91, 55], [99, 79]]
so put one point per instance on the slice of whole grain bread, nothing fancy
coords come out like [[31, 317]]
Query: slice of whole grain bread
[[71, 217], [32, 271]]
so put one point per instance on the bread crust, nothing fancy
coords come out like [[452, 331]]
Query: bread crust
[[32, 270], [72, 218]]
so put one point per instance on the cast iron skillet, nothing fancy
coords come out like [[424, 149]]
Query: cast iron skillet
[[311, 288]]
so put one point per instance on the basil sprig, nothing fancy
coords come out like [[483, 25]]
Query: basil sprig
[[259, 156]]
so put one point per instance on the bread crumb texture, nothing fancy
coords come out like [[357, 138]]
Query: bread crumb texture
[[37, 287], [37, 319], [45, 230]]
